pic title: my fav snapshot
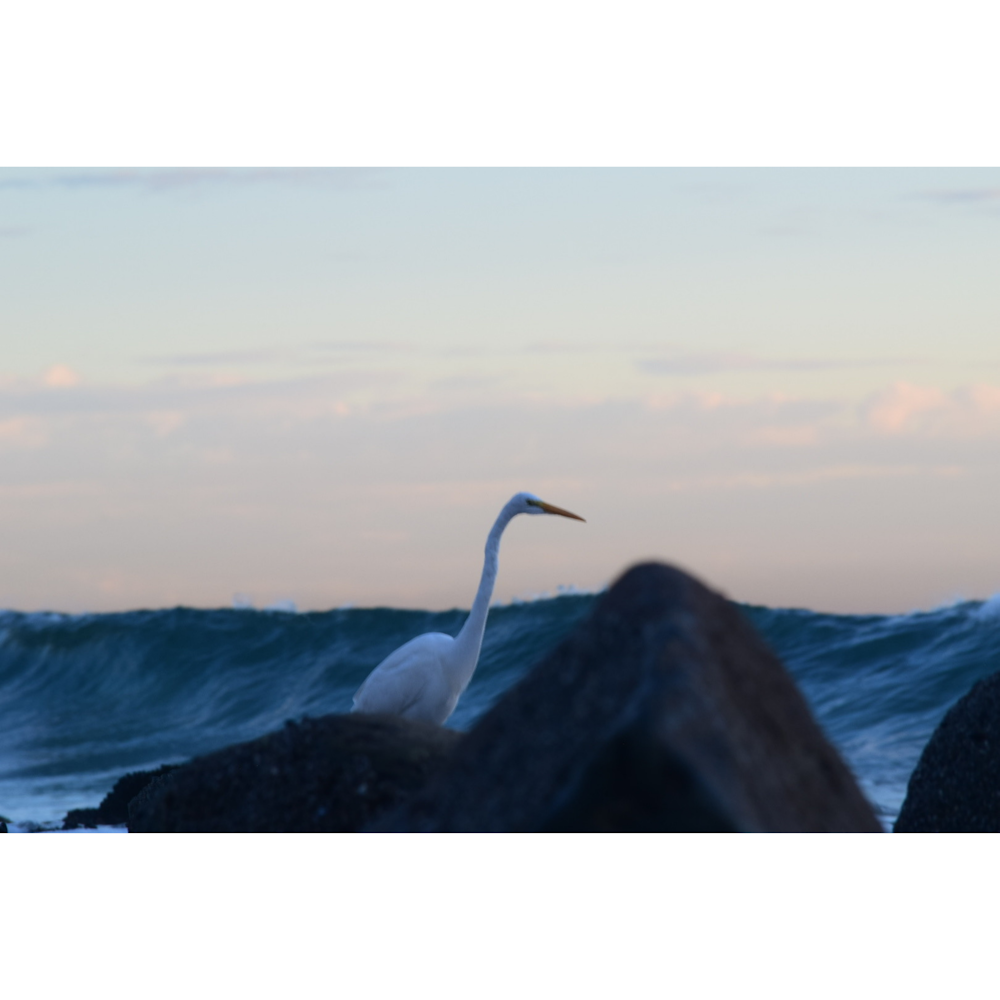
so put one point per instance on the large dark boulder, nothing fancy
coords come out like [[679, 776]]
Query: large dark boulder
[[113, 810], [955, 787], [663, 711], [327, 775]]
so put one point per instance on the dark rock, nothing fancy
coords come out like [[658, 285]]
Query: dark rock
[[113, 810], [3, 826], [955, 787], [332, 774], [138, 802], [80, 817], [663, 711]]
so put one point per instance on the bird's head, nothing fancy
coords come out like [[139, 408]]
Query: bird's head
[[528, 503]]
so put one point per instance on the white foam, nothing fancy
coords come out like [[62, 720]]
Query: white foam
[[562, 590], [989, 610], [288, 607], [950, 603], [36, 828]]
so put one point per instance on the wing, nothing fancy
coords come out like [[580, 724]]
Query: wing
[[408, 681]]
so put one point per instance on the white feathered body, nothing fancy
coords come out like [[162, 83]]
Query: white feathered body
[[415, 681]]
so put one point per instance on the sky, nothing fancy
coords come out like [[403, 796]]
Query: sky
[[320, 386]]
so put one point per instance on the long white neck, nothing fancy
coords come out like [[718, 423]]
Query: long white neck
[[469, 641]]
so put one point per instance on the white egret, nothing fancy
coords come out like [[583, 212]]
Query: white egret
[[426, 676]]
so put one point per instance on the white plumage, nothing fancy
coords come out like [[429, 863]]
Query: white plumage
[[426, 676]]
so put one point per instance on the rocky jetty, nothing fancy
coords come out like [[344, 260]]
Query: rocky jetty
[[327, 775], [664, 711], [113, 810], [955, 787]]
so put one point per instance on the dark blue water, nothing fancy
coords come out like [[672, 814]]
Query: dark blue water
[[83, 699]]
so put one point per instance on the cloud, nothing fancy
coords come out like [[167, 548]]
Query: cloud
[[164, 422], [962, 196], [301, 354], [785, 437], [984, 398], [230, 474], [466, 383], [906, 408], [562, 347], [894, 409], [474, 418], [215, 395], [807, 477], [351, 346], [715, 364], [60, 377], [22, 432], [768, 422], [157, 180], [210, 358]]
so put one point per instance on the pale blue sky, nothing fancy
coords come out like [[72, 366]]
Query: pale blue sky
[[321, 385], [118, 270]]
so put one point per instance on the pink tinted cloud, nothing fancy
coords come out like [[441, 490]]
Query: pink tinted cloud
[[60, 377], [894, 408], [907, 408], [22, 432]]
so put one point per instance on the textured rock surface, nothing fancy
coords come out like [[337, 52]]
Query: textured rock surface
[[331, 774], [663, 711], [955, 787], [113, 810]]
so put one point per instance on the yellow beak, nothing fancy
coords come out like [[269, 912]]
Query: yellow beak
[[549, 509]]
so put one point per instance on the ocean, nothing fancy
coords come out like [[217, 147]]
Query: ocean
[[87, 698]]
